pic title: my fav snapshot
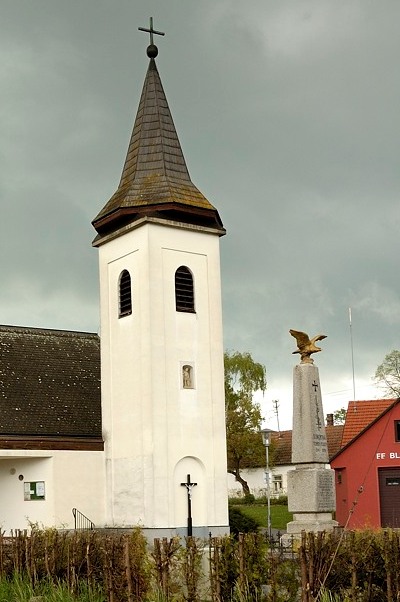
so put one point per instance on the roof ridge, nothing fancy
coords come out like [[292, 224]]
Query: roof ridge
[[382, 399], [153, 67], [40, 330]]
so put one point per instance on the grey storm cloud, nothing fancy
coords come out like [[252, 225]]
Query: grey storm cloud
[[287, 113]]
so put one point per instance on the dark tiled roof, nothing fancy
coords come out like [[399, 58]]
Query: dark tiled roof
[[49, 383], [155, 181], [334, 435], [360, 414], [283, 444]]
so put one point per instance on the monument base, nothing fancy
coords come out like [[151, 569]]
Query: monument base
[[311, 521], [311, 489], [311, 497]]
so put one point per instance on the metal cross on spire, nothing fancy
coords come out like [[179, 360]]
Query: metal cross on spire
[[151, 31]]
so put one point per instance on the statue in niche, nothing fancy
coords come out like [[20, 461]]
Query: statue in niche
[[187, 377], [306, 346]]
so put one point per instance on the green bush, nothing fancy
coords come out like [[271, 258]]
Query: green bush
[[282, 500], [240, 523], [236, 501], [247, 500]]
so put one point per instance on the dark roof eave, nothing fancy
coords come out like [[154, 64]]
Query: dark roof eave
[[46, 442], [180, 212]]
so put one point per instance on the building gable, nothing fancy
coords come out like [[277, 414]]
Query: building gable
[[361, 414], [358, 470]]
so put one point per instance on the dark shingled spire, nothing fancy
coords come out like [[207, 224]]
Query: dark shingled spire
[[155, 181]]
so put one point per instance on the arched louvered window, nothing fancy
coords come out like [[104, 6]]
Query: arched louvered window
[[184, 290], [125, 294]]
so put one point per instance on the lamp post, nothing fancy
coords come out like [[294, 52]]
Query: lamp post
[[266, 438]]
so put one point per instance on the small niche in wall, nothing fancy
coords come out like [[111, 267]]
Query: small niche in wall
[[187, 376], [34, 490]]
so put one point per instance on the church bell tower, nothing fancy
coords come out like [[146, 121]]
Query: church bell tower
[[162, 373]]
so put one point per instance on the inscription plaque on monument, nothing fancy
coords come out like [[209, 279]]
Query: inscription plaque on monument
[[326, 491], [308, 438]]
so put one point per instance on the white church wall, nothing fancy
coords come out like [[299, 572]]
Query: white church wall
[[193, 467], [41, 488], [158, 421], [78, 483], [26, 485], [197, 424], [126, 427]]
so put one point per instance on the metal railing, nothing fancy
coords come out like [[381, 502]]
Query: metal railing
[[82, 522]]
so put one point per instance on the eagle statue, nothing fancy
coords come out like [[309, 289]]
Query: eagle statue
[[306, 346]]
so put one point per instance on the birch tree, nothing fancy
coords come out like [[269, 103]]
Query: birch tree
[[387, 374]]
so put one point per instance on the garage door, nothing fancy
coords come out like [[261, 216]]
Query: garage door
[[389, 493]]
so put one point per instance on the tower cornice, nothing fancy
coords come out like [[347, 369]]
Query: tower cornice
[[101, 240]]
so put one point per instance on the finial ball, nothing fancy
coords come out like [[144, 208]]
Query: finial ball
[[152, 51]]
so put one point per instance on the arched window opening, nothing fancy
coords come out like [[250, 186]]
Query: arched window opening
[[125, 294], [184, 291]]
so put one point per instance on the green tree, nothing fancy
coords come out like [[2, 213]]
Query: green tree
[[339, 416], [243, 377], [387, 374]]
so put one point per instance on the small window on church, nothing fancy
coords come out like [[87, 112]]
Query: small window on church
[[125, 294], [184, 291]]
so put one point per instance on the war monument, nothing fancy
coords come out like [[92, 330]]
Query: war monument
[[311, 485]]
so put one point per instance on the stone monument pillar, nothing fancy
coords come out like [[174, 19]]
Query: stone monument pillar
[[311, 485]]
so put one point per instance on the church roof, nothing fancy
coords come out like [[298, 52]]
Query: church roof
[[49, 385], [155, 181]]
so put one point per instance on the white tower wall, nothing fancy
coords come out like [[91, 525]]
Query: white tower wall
[[156, 431]]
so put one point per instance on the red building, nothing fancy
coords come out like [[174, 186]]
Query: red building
[[367, 467]]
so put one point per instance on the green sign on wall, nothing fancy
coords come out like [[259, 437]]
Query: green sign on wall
[[34, 490]]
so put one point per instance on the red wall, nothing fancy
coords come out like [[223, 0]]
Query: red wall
[[356, 472]]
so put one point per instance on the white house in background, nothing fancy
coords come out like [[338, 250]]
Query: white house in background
[[281, 463], [153, 451]]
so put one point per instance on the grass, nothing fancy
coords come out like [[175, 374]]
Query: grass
[[280, 515], [22, 590]]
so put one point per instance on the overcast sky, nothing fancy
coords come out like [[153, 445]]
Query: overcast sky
[[288, 116]]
